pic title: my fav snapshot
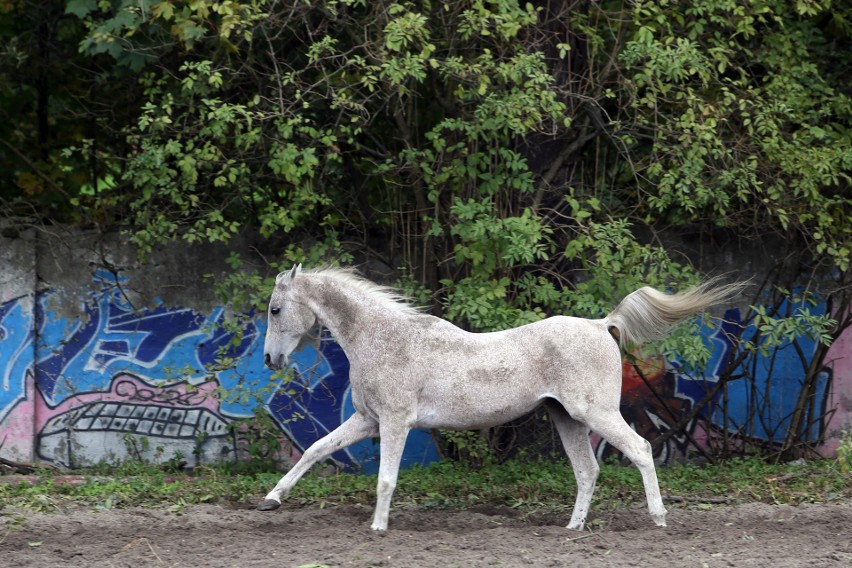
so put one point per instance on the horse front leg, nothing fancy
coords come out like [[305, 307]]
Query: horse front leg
[[358, 427], [391, 447]]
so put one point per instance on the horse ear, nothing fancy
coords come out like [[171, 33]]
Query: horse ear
[[285, 278]]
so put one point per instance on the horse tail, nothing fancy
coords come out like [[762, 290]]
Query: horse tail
[[648, 314]]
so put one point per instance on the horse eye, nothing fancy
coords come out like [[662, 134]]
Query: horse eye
[[274, 311]]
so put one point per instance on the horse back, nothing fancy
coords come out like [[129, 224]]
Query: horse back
[[451, 378]]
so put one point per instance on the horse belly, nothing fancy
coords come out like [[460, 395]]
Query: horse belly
[[464, 419], [459, 406]]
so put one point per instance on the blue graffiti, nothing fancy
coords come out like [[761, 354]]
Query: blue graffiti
[[775, 388], [16, 352], [70, 355], [83, 354], [161, 345]]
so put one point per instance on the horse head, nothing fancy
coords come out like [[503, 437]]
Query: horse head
[[291, 322]]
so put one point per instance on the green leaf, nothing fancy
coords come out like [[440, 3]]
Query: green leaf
[[81, 8]]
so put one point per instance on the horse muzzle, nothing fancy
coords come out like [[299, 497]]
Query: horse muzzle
[[277, 363]]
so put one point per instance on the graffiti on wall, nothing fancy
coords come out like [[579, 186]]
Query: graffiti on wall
[[123, 383], [120, 383], [774, 390], [776, 383], [131, 421]]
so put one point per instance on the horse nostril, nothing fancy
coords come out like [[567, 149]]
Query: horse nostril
[[267, 360]]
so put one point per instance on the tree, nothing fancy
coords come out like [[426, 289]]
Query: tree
[[507, 160], [54, 97]]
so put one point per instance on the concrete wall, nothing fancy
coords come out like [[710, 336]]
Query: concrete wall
[[104, 358]]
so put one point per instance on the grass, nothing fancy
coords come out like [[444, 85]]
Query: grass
[[520, 484]]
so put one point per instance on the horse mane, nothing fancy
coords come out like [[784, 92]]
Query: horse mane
[[386, 296]]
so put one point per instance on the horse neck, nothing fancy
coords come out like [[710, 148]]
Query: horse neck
[[343, 310]]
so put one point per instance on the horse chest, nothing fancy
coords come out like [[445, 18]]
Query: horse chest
[[377, 393]]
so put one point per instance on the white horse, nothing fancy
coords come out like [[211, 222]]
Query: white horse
[[411, 370]]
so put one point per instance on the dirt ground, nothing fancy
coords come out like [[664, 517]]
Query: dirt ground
[[762, 535]]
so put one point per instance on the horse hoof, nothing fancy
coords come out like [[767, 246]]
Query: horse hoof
[[268, 505]]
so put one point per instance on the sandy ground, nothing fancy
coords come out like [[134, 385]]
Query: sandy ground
[[755, 534]]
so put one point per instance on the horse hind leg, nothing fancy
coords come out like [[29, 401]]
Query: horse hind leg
[[616, 431], [358, 427], [575, 439]]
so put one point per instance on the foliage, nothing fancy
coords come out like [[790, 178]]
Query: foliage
[[844, 452], [509, 160], [748, 118], [526, 485]]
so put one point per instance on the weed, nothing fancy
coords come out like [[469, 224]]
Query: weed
[[528, 485], [178, 507], [844, 451], [13, 523]]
